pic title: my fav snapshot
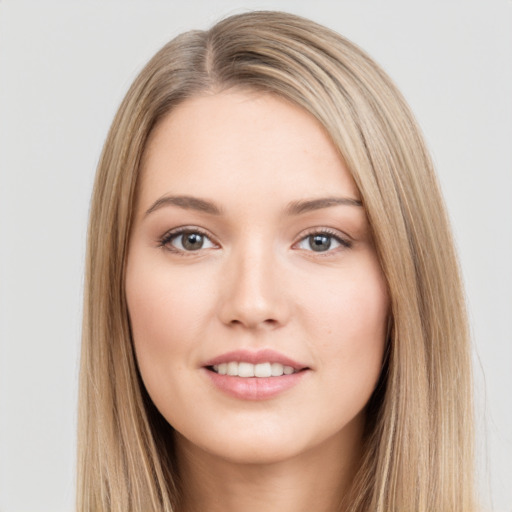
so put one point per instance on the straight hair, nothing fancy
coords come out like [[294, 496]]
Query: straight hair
[[418, 440]]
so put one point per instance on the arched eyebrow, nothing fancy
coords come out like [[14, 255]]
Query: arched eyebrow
[[308, 205], [293, 208], [186, 202]]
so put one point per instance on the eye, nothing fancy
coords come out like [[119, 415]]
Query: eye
[[322, 242], [186, 240]]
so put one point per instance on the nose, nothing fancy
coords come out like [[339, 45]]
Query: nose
[[253, 294]]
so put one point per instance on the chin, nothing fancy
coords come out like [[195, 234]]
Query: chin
[[262, 444], [255, 452]]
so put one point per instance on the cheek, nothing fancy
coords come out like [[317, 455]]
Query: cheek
[[350, 316], [167, 310], [352, 303]]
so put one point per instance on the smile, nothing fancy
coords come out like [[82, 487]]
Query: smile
[[260, 375], [244, 369]]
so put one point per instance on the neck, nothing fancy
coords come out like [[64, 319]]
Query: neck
[[314, 480]]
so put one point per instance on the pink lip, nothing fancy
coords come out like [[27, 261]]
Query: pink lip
[[262, 356], [254, 388]]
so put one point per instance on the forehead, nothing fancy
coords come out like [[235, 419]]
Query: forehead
[[242, 143]]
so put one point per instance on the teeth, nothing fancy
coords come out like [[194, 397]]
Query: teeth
[[262, 370], [243, 369], [233, 368], [276, 369]]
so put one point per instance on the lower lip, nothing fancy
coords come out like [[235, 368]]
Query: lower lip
[[255, 388]]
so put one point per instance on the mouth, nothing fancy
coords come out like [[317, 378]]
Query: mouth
[[247, 370], [249, 375], [262, 379]]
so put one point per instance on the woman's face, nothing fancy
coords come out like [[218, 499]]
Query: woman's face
[[257, 304]]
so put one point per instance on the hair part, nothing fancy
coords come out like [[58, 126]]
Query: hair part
[[418, 452]]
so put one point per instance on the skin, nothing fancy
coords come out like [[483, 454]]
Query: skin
[[256, 283]]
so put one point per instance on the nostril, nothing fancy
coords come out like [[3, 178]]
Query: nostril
[[253, 308], [271, 322]]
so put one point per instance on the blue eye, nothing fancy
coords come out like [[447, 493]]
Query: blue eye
[[186, 240], [322, 242]]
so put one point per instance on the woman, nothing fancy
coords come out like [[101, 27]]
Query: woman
[[274, 316]]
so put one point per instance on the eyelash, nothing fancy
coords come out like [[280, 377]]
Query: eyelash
[[175, 233], [169, 236], [345, 243]]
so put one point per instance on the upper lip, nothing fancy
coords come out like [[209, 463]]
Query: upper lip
[[261, 356]]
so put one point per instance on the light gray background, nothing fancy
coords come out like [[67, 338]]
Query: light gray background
[[64, 67]]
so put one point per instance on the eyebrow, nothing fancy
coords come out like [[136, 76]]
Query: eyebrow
[[293, 208], [298, 207], [186, 202]]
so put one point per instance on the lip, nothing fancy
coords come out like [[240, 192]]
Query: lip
[[261, 356], [254, 388]]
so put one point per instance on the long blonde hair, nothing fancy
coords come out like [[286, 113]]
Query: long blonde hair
[[418, 451]]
